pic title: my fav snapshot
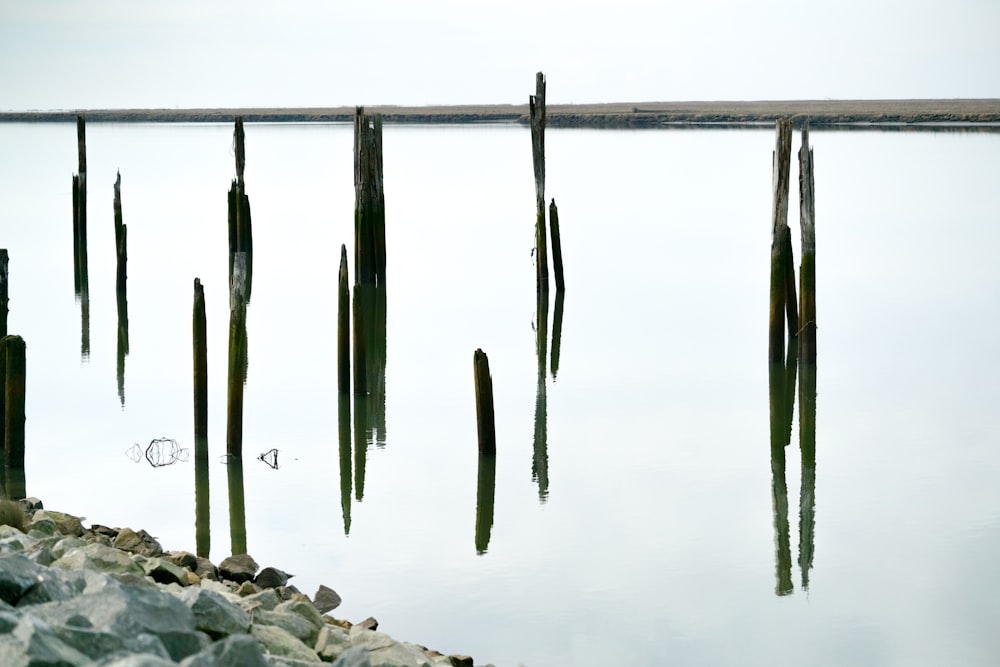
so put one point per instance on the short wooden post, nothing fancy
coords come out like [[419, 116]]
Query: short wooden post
[[807, 271], [485, 495], [4, 282], [780, 243], [80, 205], [121, 233], [343, 326], [369, 200], [557, 264], [237, 357], [536, 107], [484, 403], [13, 408]]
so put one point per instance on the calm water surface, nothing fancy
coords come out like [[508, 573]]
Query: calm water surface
[[643, 513]]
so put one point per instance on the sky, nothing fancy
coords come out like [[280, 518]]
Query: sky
[[71, 54]]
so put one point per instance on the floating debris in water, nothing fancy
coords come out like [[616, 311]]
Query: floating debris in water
[[270, 457], [160, 452]]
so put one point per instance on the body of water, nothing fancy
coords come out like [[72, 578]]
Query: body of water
[[646, 507]]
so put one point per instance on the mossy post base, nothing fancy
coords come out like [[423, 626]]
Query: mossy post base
[[485, 422], [12, 360], [807, 271]]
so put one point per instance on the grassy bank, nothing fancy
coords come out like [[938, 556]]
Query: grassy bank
[[643, 114]]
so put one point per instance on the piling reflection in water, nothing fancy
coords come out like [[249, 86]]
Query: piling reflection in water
[[237, 505], [540, 457], [122, 344], [369, 310], [781, 382], [344, 441], [807, 493], [362, 421], [557, 319], [485, 493], [203, 537]]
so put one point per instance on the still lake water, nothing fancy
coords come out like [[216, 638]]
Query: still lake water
[[656, 531]]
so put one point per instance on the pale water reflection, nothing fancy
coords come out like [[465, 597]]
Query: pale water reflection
[[669, 519]]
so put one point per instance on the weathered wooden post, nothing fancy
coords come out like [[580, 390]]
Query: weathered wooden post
[[240, 226], [4, 282], [536, 107], [80, 205], [780, 244], [369, 200], [556, 246], [201, 484], [807, 271], [13, 353], [121, 233], [237, 357], [343, 326], [485, 496], [199, 337], [485, 423]]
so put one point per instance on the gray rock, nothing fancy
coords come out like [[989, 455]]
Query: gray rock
[[294, 624], [279, 661], [332, 642], [96, 644], [384, 651], [13, 541], [66, 524], [326, 599], [31, 504], [233, 651], [164, 572], [140, 660], [353, 657], [18, 575], [141, 542], [101, 558], [184, 559], [304, 610], [41, 645], [43, 526], [206, 570], [9, 618], [460, 661], [266, 600], [67, 544], [271, 577], [369, 623], [248, 588], [129, 611], [288, 592], [214, 614], [280, 643], [54, 586], [238, 568]]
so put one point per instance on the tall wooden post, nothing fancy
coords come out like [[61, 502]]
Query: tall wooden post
[[4, 282], [200, 348], [343, 326], [807, 271], [536, 107], [80, 204], [780, 244], [240, 226], [484, 403], [121, 233], [369, 200]]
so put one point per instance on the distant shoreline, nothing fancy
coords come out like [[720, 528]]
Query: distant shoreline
[[938, 114]]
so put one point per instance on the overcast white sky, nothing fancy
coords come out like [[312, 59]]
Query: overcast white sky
[[71, 54]]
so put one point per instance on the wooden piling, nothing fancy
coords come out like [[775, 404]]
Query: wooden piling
[[199, 338], [807, 270], [13, 406], [344, 327], [369, 200], [557, 318], [4, 282], [237, 357], [484, 403], [485, 495], [121, 234], [557, 264], [241, 156], [81, 144], [237, 505], [807, 490], [344, 442], [536, 107], [122, 343], [360, 342], [781, 294], [80, 203], [781, 404]]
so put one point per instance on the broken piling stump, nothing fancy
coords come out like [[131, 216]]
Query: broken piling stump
[[121, 233], [536, 108], [12, 357], [485, 423], [369, 200], [807, 270]]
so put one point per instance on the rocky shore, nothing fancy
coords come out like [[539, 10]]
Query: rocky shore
[[110, 597]]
